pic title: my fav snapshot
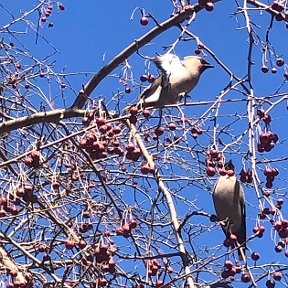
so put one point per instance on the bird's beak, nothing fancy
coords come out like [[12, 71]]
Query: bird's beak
[[208, 65]]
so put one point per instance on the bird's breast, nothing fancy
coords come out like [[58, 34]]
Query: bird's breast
[[226, 200], [182, 84]]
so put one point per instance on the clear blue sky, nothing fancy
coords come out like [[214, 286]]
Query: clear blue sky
[[88, 34]]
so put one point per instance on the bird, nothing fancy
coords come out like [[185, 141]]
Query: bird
[[177, 79], [229, 203]]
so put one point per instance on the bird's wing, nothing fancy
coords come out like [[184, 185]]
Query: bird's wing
[[242, 233], [167, 64], [153, 91]]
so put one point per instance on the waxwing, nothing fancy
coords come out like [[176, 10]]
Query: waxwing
[[178, 78], [229, 203]]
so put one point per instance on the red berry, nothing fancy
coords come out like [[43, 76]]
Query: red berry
[[230, 173], [268, 147], [145, 169], [270, 283], [69, 244], [35, 155], [280, 201], [264, 69], [209, 6], [214, 153], [170, 270], [277, 225], [245, 277], [261, 229], [277, 275], [151, 78], [210, 171], [264, 138], [159, 283], [274, 137], [127, 89], [130, 147], [266, 211], [275, 172], [120, 230], [255, 256], [55, 185], [278, 248], [256, 229], [82, 244], [133, 110], [261, 113], [28, 161], [42, 247], [232, 238], [132, 223], [14, 272], [279, 62], [144, 20], [100, 121], [268, 185], [172, 126], [116, 130], [267, 119], [278, 17], [228, 264], [211, 163], [127, 230], [268, 171], [283, 233], [159, 131], [143, 78], [146, 113], [227, 243], [222, 172], [61, 6], [220, 164], [277, 6]]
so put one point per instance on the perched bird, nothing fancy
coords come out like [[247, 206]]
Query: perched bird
[[178, 78], [229, 203]]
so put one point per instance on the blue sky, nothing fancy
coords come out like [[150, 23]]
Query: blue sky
[[88, 34]]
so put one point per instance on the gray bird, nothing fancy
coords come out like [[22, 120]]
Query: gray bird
[[178, 78], [229, 203]]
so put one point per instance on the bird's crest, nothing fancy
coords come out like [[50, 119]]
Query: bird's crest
[[229, 165]]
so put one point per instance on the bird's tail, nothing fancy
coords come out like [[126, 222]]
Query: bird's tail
[[242, 251]]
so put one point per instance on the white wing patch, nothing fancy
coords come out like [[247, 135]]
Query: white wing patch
[[167, 64]]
